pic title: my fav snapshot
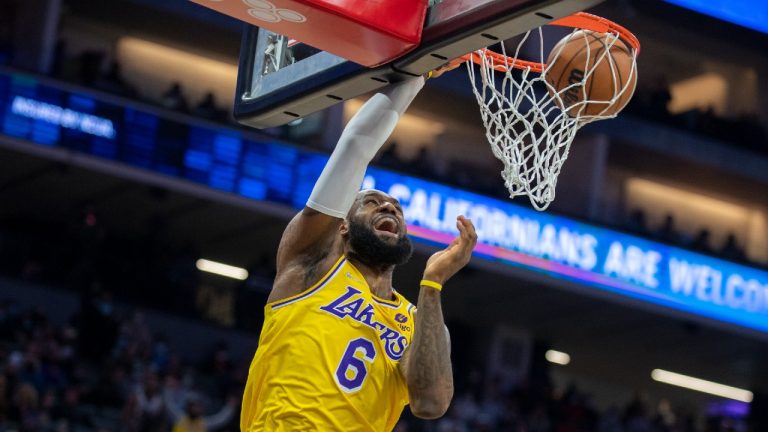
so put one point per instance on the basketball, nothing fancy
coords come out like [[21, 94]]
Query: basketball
[[571, 61]]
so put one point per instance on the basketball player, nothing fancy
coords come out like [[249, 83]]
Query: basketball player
[[340, 349]]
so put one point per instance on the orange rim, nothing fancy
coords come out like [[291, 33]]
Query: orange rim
[[581, 20]]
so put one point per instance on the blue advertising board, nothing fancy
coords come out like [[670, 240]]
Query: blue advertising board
[[584, 253], [747, 13], [263, 169]]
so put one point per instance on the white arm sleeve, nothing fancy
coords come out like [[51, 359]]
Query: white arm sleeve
[[363, 136]]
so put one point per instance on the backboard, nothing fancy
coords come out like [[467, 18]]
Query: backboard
[[280, 80]]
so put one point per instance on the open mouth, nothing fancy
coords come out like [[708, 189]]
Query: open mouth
[[387, 225]]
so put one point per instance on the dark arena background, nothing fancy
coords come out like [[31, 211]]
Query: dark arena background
[[139, 225]]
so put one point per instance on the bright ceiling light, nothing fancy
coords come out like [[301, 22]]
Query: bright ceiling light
[[701, 385], [557, 357], [222, 269]]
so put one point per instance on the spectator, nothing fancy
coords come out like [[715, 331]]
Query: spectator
[[192, 419], [26, 411], [71, 411], [637, 223], [539, 420], [667, 232], [113, 81], [731, 249], [113, 388], [134, 334], [173, 99], [97, 325], [665, 417], [131, 416], [452, 422], [659, 98], [160, 356], [5, 402], [610, 421], [421, 165], [207, 108], [220, 369], [701, 242], [636, 417], [90, 66], [150, 407], [465, 406], [389, 157]]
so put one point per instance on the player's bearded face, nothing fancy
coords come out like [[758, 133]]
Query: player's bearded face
[[375, 251]]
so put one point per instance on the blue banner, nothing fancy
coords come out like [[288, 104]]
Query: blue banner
[[748, 13], [598, 257]]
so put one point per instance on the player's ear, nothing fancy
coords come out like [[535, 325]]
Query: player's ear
[[344, 228]]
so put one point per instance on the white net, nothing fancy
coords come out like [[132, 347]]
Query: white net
[[530, 124]]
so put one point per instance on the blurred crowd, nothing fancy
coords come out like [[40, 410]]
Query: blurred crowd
[[668, 232], [91, 68], [542, 409], [107, 371], [99, 70], [651, 102]]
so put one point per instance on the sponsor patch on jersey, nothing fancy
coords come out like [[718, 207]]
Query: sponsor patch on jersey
[[401, 318]]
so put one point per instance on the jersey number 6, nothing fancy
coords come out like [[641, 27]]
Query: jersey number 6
[[352, 371]]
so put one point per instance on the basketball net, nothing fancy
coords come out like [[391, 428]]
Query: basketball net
[[528, 125]]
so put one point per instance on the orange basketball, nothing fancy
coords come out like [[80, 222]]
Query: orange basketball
[[568, 69]]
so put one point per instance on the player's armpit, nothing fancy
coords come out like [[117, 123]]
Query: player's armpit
[[305, 252], [308, 235]]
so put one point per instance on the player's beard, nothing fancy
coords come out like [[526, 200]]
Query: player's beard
[[375, 252]]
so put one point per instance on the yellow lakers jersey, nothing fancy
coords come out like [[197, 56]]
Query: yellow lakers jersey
[[327, 359]]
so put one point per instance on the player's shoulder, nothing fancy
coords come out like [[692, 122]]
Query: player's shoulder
[[304, 275]]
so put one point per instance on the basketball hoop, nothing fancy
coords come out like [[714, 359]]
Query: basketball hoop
[[530, 123]]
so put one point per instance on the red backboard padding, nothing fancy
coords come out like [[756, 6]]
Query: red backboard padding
[[368, 32]]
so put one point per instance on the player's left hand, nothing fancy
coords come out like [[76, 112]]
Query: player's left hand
[[445, 263]]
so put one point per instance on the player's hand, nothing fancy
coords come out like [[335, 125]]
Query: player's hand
[[445, 263], [453, 64]]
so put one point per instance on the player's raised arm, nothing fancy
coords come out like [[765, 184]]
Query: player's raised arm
[[309, 237], [426, 364]]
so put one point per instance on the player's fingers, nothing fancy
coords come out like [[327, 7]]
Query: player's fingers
[[460, 226], [467, 230], [453, 64], [469, 227], [464, 237]]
